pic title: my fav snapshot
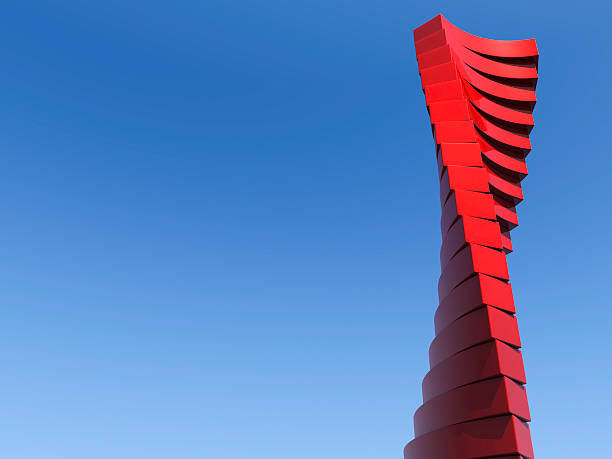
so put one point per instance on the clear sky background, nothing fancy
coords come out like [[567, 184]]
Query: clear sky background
[[220, 227]]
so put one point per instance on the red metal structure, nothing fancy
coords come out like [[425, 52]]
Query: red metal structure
[[480, 95]]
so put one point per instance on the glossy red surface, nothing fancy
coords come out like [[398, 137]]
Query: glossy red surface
[[480, 95]]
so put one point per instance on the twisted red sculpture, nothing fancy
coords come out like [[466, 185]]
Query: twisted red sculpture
[[480, 95]]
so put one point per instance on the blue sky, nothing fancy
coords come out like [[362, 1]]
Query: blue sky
[[221, 227]]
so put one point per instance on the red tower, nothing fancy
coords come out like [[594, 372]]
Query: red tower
[[480, 95]]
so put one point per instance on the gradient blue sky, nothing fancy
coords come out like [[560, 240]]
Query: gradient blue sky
[[221, 227]]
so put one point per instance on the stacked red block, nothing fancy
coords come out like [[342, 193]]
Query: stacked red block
[[480, 95]]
